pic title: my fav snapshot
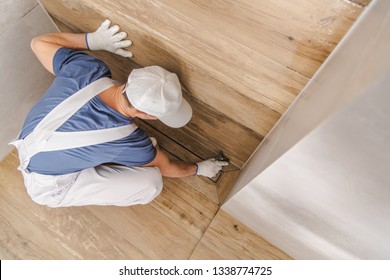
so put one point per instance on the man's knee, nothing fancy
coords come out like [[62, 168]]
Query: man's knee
[[152, 182], [139, 186]]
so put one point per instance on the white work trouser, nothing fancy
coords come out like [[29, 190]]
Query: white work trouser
[[101, 185]]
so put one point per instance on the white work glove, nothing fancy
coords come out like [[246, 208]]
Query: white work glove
[[108, 39], [210, 167]]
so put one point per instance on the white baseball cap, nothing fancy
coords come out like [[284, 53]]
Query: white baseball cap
[[157, 92]]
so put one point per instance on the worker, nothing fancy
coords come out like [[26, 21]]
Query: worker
[[79, 145]]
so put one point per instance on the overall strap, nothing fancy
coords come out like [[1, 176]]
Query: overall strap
[[39, 138], [77, 139]]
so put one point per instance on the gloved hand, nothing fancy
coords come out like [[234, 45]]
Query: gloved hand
[[210, 167], [108, 39]]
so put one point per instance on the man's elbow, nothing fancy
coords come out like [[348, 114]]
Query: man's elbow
[[34, 44], [38, 43]]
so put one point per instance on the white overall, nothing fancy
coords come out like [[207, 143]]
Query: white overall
[[101, 185]]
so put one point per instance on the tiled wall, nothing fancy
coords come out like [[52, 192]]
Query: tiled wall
[[318, 186]]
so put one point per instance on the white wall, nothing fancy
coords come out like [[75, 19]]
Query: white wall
[[318, 187], [356, 62], [23, 80]]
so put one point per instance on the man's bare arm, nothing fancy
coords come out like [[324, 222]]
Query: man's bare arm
[[177, 168], [104, 38], [172, 168], [45, 46]]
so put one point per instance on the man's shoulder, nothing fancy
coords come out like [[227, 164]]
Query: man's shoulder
[[65, 58]]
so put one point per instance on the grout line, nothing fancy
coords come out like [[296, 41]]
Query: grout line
[[170, 138], [26, 13], [46, 12], [207, 228], [90, 210], [307, 77]]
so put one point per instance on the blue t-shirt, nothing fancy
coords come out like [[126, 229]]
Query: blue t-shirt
[[75, 70]]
